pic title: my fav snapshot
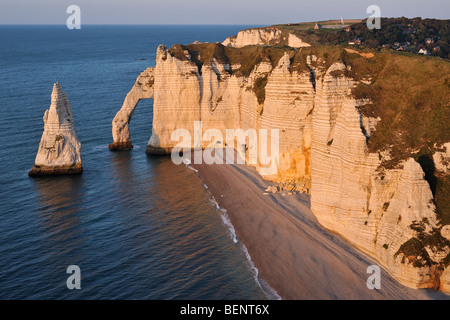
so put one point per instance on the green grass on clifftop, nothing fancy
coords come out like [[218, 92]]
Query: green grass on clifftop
[[409, 93], [411, 96], [247, 57]]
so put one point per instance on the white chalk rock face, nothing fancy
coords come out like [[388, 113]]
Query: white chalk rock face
[[442, 158], [142, 89], [222, 100], [176, 100], [264, 36], [288, 104], [59, 150], [388, 214], [296, 42]]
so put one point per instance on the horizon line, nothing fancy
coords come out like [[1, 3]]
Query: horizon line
[[204, 24], [135, 24]]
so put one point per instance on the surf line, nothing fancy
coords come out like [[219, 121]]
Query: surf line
[[268, 291]]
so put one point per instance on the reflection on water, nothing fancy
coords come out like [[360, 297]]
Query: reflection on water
[[122, 177], [138, 227], [60, 195], [121, 167], [60, 208], [141, 228]]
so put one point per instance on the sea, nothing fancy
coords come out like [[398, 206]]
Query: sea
[[137, 226]]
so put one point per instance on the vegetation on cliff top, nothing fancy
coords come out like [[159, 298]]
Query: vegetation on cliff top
[[404, 34], [247, 57], [409, 93], [411, 96]]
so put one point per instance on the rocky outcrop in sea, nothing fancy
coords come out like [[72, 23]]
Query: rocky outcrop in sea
[[59, 150]]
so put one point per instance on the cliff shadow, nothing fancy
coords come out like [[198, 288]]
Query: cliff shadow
[[428, 167]]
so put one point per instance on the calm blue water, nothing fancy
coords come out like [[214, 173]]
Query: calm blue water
[[139, 227]]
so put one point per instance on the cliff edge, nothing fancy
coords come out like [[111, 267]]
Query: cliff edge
[[264, 36], [347, 133]]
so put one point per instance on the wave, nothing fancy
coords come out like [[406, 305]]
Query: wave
[[193, 169], [226, 221], [268, 291], [214, 202], [188, 162], [101, 147]]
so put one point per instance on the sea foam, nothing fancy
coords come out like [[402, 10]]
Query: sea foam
[[268, 291]]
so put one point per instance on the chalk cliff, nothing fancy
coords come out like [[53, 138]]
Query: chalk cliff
[[264, 36], [222, 99], [323, 142], [389, 214], [59, 150], [441, 158]]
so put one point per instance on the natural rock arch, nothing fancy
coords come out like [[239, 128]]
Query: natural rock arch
[[142, 89]]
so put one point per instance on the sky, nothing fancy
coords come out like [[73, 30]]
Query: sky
[[250, 12]]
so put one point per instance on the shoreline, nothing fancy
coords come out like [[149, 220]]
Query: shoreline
[[268, 291], [292, 252]]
